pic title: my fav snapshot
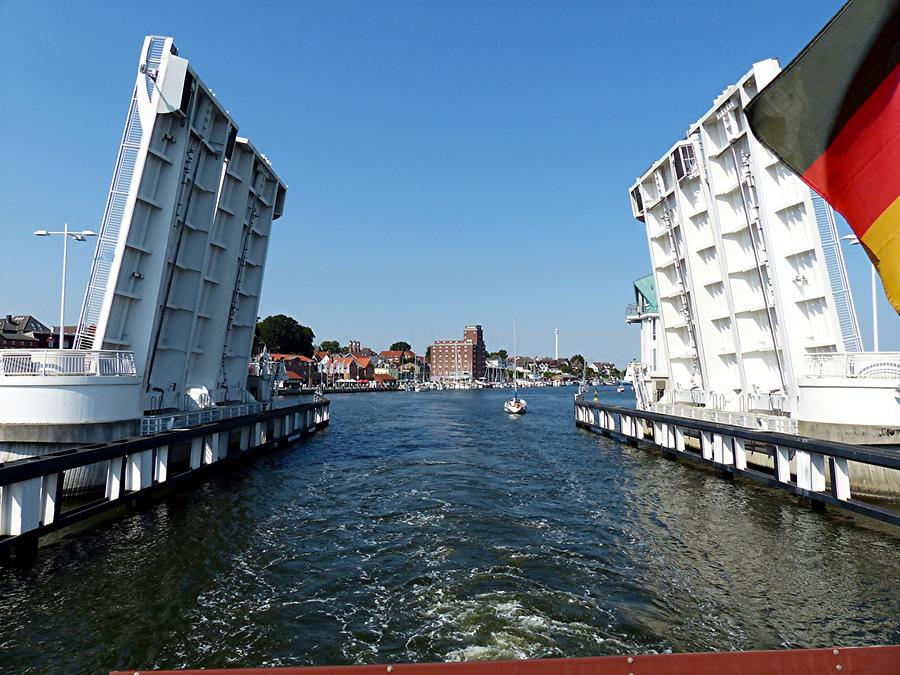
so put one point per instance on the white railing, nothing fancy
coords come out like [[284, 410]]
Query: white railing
[[66, 362], [863, 365], [154, 424], [784, 425]]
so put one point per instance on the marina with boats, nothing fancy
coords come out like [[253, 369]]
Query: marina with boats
[[174, 492]]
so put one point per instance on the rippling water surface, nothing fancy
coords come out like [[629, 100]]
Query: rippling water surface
[[432, 526]]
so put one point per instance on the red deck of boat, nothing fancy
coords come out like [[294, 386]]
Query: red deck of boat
[[856, 660]]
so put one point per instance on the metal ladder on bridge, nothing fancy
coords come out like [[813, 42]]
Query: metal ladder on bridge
[[639, 382], [682, 290], [236, 291]]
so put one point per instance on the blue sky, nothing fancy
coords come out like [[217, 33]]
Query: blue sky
[[447, 162]]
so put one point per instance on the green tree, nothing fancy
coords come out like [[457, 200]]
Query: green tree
[[282, 334], [401, 346], [428, 354], [330, 346], [576, 363]]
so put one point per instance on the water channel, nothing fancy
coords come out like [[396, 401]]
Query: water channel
[[431, 526]]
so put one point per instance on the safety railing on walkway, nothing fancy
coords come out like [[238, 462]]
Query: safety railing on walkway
[[862, 365], [154, 424], [66, 362], [802, 465], [782, 425]]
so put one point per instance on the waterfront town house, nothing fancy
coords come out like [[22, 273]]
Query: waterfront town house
[[342, 368], [322, 359], [292, 380], [25, 332], [387, 369], [459, 359], [365, 368], [525, 367], [605, 369], [415, 370], [384, 381], [327, 366], [408, 372], [405, 363], [398, 357], [496, 362]]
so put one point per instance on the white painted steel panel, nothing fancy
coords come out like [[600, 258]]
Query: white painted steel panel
[[180, 258], [745, 288]]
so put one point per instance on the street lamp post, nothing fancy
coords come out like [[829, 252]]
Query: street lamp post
[[853, 240], [77, 236]]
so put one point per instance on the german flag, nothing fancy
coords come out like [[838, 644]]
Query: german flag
[[833, 117]]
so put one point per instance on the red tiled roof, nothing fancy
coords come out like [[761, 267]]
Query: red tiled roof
[[381, 377], [290, 357], [362, 361], [291, 375], [397, 354]]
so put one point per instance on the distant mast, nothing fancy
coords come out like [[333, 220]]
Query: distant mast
[[556, 333]]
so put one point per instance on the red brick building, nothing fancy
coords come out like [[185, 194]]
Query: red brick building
[[459, 359], [397, 357], [349, 368]]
